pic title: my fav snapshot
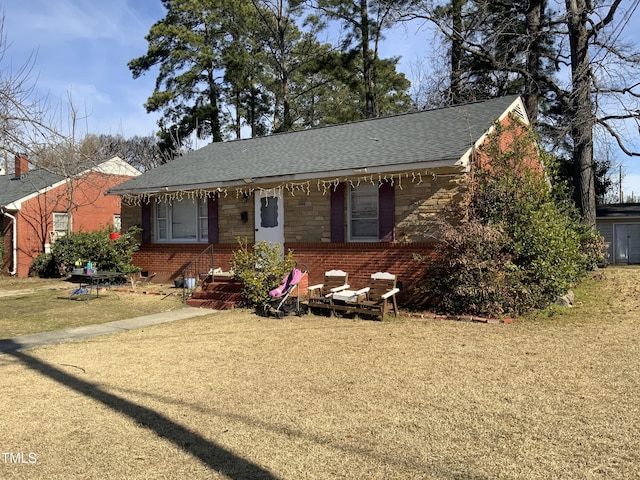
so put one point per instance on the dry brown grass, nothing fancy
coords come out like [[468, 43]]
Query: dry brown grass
[[233, 395]]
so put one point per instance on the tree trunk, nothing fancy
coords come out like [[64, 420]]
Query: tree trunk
[[582, 116], [216, 130], [367, 63], [534, 15], [456, 51], [237, 124], [287, 121]]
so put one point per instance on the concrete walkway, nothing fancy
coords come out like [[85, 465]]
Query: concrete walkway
[[24, 342]]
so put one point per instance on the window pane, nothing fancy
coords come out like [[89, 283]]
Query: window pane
[[204, 229], [269, 212], [60, 222], [203, 220], [184, 221], [202, 208], [161, 221], [365, 206], [161, 210], [364, 228], [162, 229], [364, 212]]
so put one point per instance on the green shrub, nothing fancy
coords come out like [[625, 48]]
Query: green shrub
[[260, 268], [44, 266], [519, 243], [97, 247]]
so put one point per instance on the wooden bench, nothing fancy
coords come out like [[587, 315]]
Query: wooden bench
[[378, 299], [320, 295]]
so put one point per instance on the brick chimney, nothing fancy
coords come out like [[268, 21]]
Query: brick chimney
[[21, 165]]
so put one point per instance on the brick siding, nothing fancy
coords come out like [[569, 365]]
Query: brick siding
[[359, 260]]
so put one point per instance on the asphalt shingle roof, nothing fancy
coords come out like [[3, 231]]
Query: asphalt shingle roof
[[618, 210], [438, 135], [15, 188]]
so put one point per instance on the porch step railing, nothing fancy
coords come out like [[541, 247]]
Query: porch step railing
[[194, 274]]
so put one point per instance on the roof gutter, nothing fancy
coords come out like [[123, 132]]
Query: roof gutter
[[14, 267]]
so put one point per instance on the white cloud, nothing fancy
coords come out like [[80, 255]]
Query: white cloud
[[54, 22]]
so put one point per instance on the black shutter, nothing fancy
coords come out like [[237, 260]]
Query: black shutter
[[212, 219], [146, 223], [337, 213], [386, 212]]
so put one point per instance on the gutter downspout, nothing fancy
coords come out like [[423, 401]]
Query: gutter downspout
[[14, 268]]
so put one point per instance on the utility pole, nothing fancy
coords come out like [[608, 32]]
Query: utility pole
[[620, 185]]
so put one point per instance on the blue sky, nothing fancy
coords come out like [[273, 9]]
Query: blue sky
[[82, 48]]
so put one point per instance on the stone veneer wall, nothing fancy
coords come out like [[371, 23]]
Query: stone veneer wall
[[418, 204], [230, 224]]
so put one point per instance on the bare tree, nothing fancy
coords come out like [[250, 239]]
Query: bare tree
[[30, 128], [24, 118], [581, 37]]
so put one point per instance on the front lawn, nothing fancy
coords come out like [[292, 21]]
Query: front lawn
[[34, 305], [235, 395]]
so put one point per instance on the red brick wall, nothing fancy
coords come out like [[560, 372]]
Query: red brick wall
[[168, 260], [507, 142], [359, 260], [94, 210]]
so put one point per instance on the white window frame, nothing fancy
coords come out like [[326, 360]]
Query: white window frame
[[57, 233], [353, 193], [117, 222], [59, 217], [200, 216]]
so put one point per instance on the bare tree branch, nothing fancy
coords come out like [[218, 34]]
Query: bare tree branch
[[618, 139]]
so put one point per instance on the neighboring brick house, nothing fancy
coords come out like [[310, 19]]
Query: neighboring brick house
[[363, 197], [33, 207]]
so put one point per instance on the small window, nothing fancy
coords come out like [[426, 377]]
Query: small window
[[363, 213], [60, 224], [269, 212], [117, 223]]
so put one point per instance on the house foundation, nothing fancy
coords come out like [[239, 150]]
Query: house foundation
[[359, 260]]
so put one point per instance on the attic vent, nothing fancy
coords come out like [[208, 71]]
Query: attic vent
[[518, 111]]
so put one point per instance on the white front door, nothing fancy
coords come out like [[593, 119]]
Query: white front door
[[269, 218]]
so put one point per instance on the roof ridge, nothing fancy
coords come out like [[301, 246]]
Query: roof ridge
[[366, 120]]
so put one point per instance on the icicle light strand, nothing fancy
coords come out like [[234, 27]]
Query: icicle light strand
[[292, 188]]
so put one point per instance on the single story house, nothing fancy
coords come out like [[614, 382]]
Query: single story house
[[362, 197], [619, 224], [34, 207]]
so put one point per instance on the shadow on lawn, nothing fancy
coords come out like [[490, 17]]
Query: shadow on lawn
[[210, 454]]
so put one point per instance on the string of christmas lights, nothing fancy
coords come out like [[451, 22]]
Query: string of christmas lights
[[291, 188]]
